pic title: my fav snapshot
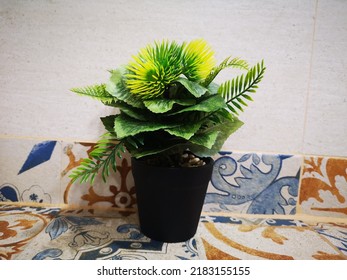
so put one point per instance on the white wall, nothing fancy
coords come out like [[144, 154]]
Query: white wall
[[48, 47]]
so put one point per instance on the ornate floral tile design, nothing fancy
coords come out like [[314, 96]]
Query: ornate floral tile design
[[119, 191], [108, 228], [19, 226], [254, 184], [79, 234], [284, 240], [52, 233], [29, 171], [334, 233], [323, 189]]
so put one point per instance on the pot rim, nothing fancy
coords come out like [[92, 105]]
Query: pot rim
[[207, 165]]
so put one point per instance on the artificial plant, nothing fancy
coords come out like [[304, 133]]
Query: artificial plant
[[168, 104]]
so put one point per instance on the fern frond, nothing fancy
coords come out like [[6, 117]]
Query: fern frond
[[235, 91], [228, 62], [101, 158], [95, 91]]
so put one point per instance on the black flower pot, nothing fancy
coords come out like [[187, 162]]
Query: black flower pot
[[170, 199]]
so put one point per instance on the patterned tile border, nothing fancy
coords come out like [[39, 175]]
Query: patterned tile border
[[119, 191], [43, 233], [234, 239], [323, 189], [335, 233], [30, 171], [254, 184], [246, 183]]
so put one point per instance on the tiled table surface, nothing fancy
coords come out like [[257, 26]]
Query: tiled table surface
[[28, 232]]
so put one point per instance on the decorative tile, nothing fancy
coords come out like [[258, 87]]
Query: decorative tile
[[18, 227], [323, 190], [118, 191], [29, 232], [335, 233], [29, 171], [280, 222], [36, 210], [70, 235], [254, 184], [223, 240], [252, 220], [224, 219]]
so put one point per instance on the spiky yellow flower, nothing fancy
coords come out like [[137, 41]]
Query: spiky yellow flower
[[153, 69], [157, 66], [198, 59]]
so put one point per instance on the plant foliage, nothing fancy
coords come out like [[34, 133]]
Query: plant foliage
[[168, 104], [101, 158], [236, 91]]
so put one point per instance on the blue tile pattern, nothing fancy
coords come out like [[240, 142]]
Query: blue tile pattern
[[40, 153], [259, 184]]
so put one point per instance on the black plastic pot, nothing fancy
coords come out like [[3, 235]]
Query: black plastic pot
[[170, 199]]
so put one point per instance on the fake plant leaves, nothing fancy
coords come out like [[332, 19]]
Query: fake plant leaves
[[136, 113], [102, 157], [193, 87], [210, 104], [116, 87], [235, 91], [185, 131], [165, 105], [98, 92], [108, 122], [206, 138], [228, 62], [169, 103], [125, 126], [227, 126]]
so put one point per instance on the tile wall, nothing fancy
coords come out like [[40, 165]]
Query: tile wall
[[34, 171], [48, 47]]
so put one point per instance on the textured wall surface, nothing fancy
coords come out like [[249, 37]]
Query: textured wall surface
[[48, 47]]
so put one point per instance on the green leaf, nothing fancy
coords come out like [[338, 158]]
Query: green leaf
[[133, 142], [125, 126], [207, 143], [248, 97], [193, 87], [228, 126], [237, 105], [165, 105], [228, 62], [109, 122], [210, 104], [169, 148], [213, 88], [116, 87], [102, 158], [185, 131], [206, 138], [235, 92], [96, 91], [136, 113]]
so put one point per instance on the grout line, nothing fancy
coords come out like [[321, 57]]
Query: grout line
[[63, 206], [303, 217], [43, 138], [308, 93], [298, 208]]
